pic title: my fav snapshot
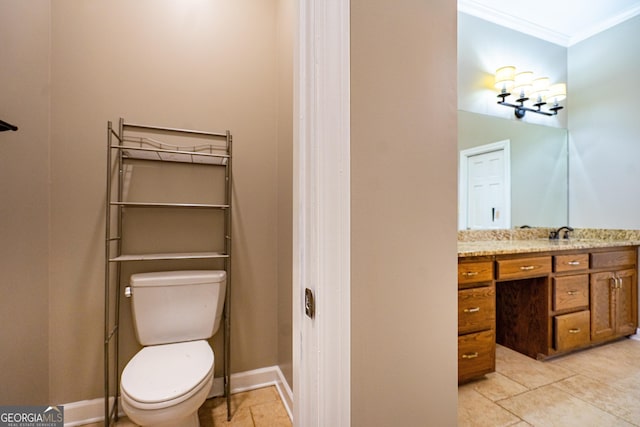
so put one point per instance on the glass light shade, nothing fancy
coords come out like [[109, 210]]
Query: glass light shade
[[540, 89], [557, 93], [523, 82], [505, 77]]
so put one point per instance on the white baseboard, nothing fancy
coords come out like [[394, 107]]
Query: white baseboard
[[84, 412], [92, 411], [636, 337]]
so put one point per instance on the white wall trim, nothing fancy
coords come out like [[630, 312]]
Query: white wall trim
[[321, 200], [92, 411]]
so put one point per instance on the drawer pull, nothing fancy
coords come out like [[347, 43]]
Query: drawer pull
[[616, 282], [470, 273], [527, 267], [573, 263], [472, 310], [572, 293], [574, 331], [470, 355]]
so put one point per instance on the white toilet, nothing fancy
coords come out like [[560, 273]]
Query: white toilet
[[174, 313]]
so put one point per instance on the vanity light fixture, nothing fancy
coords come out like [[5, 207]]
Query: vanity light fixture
[[524, 87]]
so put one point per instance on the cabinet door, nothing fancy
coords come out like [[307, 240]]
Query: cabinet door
[[602, 306], [625, 303]]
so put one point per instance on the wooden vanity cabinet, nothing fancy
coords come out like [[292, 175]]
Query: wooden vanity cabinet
[[613, 294], [476, 319], [543, 304], [571, 319]]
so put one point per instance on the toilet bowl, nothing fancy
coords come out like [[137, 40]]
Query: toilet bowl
[[164, 385], [174, 313]]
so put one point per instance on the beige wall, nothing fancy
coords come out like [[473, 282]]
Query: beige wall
[[206, 65], [203, 65], [285, 20], [403, 220], [24, 202]]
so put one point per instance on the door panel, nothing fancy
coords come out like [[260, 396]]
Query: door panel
[[626, 313], [487, 191], [602, 315]]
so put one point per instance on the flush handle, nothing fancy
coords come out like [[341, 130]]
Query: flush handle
[[127, 292], [309, 303]]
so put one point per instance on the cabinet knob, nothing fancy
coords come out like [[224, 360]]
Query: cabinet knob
[[472, 310], [527, 267], [574, 331], [470, 355], [573, 263], [470, 273]]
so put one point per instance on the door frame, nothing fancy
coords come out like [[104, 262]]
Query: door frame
[[463, 184], [321, 212]]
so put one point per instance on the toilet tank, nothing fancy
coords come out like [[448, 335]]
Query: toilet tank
[[177, 306]]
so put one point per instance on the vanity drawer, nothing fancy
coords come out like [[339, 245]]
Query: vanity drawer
[[476, 355], [572, 330], [476, 309], [523, 267], [570, 292], [619, 258], [474, 272], [576, 262]]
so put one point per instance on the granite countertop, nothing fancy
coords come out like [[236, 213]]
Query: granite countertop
[[505, 242]]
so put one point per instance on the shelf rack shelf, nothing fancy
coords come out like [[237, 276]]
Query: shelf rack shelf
[[137, 142]]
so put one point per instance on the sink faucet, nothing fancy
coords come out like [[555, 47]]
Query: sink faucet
[[555, 235]]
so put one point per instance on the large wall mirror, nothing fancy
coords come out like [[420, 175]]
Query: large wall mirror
[[536, 163]]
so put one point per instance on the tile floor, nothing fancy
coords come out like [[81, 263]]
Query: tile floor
[[597, 387], [255, 408]]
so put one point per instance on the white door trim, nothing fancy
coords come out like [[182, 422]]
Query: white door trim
[[321, 200], [463, 185]]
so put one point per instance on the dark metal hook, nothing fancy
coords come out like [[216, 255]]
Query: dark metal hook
[[7, 126]]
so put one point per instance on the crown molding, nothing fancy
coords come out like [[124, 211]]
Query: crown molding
[[605, 25], [498, 17], [474, 8]]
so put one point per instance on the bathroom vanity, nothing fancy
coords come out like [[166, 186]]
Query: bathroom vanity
[[542, 298]]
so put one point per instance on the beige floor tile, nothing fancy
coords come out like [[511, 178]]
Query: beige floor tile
[[240, 418], [550, 406], [263, 405], [270, 414], [239, 401], [610, 362], [526, 371], [475, 410], [604, 396], [630, 384], [496, 386]]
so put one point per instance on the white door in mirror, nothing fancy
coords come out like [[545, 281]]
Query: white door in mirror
[[486, 191]]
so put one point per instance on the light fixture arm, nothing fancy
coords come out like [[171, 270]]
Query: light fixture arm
[[520, 109]]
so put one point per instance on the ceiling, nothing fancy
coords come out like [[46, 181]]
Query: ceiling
[[563, 22]]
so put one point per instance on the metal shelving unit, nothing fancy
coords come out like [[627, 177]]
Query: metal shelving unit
[[144, 143]]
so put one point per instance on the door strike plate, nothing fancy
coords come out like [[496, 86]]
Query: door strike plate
[[309, 303]]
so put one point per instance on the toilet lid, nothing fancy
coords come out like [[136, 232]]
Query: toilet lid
[[165, 372]]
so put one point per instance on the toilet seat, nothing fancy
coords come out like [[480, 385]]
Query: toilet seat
[[165, 375]]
